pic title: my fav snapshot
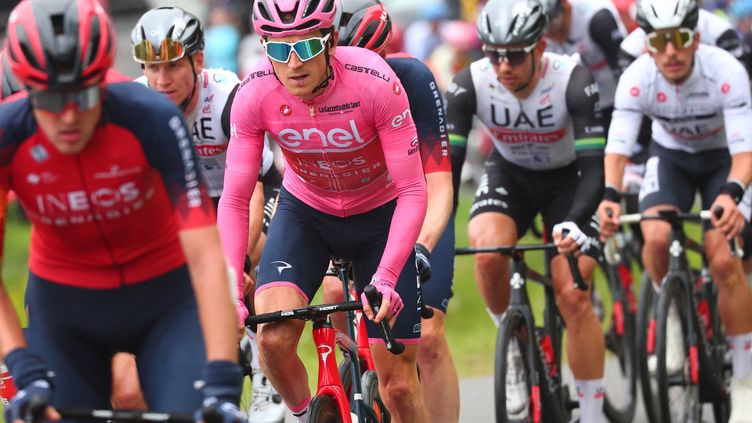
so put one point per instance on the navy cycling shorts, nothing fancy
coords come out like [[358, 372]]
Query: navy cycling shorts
[[301, 241], [76, 332], [438, 290]]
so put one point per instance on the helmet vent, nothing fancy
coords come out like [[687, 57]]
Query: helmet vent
[[93, 43], [288, 17], [263, 10], [58, 24]]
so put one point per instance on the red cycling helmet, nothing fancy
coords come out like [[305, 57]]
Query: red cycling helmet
[[280, 18], [364, 23], [60, 44]]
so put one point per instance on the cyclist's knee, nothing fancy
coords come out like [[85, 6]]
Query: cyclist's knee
[[333, 291], [489, 260], [398, 390], [574, 304], [725, 268], [655, 242], [278, 339], [433, 346]]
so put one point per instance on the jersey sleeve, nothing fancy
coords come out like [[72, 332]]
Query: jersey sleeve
[[587, 120], [628, 112], [243, 161], [399, 141], [737, 107], [608, 35], [429, 116], [460, 108]]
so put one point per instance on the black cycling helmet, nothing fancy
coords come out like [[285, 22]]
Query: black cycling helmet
[[8, 81], [511, 22], [364, 23], [166, 34], [653, 15]]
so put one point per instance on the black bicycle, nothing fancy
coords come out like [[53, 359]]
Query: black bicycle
[[539, 347], [681, 346]]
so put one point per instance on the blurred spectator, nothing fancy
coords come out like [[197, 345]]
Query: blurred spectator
[[424, 35], [741, 10], [460, 46], [222, 36]]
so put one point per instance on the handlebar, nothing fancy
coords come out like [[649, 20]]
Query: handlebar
[[124, 415]]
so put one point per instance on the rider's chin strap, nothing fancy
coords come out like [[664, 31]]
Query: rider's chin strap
[[187, 102], [330, 71]]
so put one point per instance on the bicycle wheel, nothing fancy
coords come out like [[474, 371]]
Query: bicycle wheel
[[514, 402], [620, 373], [372, 397], [645, 332], [345, 375], [677, 365], [323, 409]]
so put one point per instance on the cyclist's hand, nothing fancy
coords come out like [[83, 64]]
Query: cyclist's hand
[[222, 385], [608, 225], [731, 221], [31, 404], [391, 303], [423, 262], [575, 240]]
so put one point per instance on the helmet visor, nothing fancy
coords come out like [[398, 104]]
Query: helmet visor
[[168, 50], [56, 101], [305, 49], [681, 38]]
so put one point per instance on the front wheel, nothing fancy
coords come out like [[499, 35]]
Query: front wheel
[[512, 380], [372, 397], [645, 332], [323, 409]]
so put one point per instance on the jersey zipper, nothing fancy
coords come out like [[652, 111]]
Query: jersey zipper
[[98, 223]]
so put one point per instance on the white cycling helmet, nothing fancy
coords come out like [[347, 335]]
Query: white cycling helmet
[[653, 15]]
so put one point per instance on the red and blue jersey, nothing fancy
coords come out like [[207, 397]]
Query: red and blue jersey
[[109, 215]]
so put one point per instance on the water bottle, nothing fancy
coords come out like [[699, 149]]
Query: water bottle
[[7, 387]]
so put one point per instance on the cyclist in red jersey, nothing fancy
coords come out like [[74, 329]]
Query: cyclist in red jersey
[[124, 252], [353, 188]]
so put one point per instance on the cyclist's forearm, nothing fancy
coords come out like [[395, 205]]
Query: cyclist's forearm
[[741, 167], [208, 271], [614, 169], [11, 335], [440, 195], [256, 219]]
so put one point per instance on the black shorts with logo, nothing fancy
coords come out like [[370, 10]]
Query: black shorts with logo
[[523, 193]]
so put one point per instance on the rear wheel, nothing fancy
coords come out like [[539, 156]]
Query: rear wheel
[[323, 409], [372, 397], [677, 363], [345, 375], [512, 381], [620, 373]]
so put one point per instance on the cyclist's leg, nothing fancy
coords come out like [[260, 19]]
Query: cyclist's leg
[[398, 374], [81, 366], [126, 388], [290, 271], [438, 376], [171, 354], [497, 217], [334, 293], [665, 186]]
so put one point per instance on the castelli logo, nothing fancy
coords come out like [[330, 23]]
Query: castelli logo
[[285, 110], [725, 88], [661, 97], [397, 89], [634, 92]]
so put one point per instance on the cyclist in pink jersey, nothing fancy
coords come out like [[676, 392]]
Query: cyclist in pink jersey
[[353, 188]]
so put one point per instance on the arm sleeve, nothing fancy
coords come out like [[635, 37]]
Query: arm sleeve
[[587, 120], [608, 35], [399, 142], [175, 159], [737, 108], [427, 108], [628, 112], [241, 172], [461, 107]]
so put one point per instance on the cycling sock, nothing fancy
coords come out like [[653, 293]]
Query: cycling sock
[[741, 354], [254, 350], [495, 317], [300, 411], [590, 393]]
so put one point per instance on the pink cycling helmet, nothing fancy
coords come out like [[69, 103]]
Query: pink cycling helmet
[[280, 18]]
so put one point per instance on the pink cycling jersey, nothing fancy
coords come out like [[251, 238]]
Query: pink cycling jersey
[[351, 149]]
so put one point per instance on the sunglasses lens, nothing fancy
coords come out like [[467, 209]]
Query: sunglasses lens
[[680, 39], [56, 101], [308, 49], [657, 43], [169, 50], [279, 52], [516, 58]]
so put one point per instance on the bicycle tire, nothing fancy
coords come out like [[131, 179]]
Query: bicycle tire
[[345, 376], [323, 409], [513, 326], [620, 342], [684, 382], [372, 397], [645, 315]]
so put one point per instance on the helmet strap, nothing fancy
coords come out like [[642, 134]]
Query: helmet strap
[[187, 102]]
